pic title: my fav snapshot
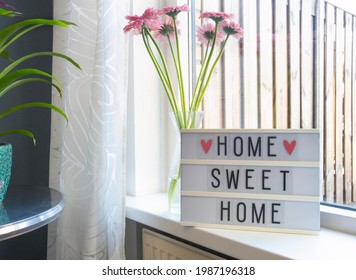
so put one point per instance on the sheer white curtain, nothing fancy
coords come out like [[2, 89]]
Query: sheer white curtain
[[88, 155]]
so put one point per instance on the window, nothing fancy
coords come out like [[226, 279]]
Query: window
[[276, 77], [294, 68]]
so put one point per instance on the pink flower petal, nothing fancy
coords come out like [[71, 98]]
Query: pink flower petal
[[173, 11], [166, 29], [230, 27], [216, 16], [205, 34], [149, 18]]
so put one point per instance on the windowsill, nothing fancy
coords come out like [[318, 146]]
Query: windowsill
[[329, 244]]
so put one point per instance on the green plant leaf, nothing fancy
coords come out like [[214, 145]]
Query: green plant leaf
[[8, 13], [10, 34], [19, 131], [14, 64], [17, 83], [32, 105], [12, 77], [16, 78], [5, 55]]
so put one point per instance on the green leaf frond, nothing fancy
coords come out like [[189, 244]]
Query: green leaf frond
[[11, 33], [17, 62], [32, 105], [9, 13], [19, 131], [17, 78]]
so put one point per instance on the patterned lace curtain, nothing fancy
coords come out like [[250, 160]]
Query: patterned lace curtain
[[88, 155]]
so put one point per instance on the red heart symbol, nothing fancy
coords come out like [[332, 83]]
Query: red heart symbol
[[206, 145], [289, 146]]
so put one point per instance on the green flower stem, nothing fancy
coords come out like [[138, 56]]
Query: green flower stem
[[205, 70], [169, 80], [175, 65], [198, 82], [192, 121], [172, 188], [200, 97], [164, 79], [179, 116], [158, 67], [162, 59], [180, 75], [161, 73], [153, 57]]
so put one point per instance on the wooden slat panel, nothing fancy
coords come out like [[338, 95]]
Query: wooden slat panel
[[274, 83], [212, 102], [319, 11], [354, 109], [339, 68], [294, 54], [250, 64], [329, 100], [307, 59], [281, 85], [320, 79], [347, 109], [266, 64], [233, 82]]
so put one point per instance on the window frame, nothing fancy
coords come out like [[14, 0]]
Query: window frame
[[341, 218], [331, 217]]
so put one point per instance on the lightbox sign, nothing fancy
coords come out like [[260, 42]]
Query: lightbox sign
[[265, 180]]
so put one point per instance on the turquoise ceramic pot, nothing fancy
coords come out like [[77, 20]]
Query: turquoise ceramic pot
[[5, 168]]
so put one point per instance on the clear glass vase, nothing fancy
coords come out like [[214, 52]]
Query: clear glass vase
[[180, 121]]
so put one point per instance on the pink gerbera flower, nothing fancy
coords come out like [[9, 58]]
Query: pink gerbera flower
[[149, 18], [173, 11], [205, 34], [232, 28], [216, 16], [165, 30]]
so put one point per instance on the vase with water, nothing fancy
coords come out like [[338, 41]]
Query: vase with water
[[181, 120]]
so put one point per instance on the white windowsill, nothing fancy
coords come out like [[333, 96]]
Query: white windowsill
[[152, 211]]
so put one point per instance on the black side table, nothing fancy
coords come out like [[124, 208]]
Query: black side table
[[27, 208]]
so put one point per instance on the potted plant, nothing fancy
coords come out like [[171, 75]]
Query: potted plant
[[13, 74]]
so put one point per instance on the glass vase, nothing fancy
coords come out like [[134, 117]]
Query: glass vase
[[180, 120]]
